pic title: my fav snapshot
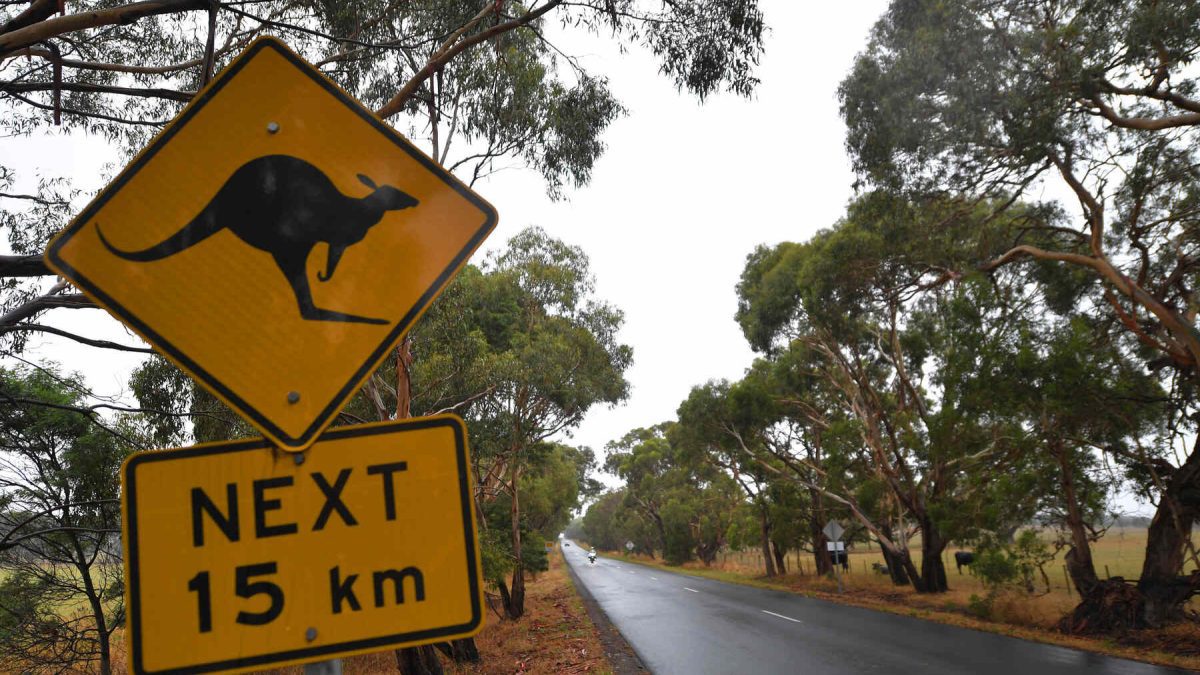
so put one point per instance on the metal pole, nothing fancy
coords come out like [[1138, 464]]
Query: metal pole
[[331, 667], [837, 575]]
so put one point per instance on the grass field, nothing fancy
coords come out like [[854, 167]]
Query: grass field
[[1119, 553]]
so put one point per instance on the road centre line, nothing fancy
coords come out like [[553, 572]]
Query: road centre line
[[690, 589], [783, 617], [654, 578]]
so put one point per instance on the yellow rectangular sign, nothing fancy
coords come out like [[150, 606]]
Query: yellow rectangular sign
[[239, 555]]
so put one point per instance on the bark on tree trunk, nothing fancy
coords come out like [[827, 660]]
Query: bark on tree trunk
[[780, 557], [421, 660], [933, 570], [765, 525], [662, 532], [515, 607], [1079, 557], [895, 565], [460, 651], [821, 558], [1163, 588]]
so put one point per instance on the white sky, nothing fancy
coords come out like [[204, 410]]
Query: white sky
[[684, 192]]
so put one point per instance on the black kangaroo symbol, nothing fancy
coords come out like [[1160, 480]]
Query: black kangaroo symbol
[[285, 206]]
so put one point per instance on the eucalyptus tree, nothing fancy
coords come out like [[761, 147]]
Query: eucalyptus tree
[[1081, 398], [687, 503], [715, 429], [61, 586], [996, 100], [521, 348], [645, 460], [902, 357]]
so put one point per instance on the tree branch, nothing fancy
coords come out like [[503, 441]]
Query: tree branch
[[73, 301], [103, 344], [448, 51], [84, 87], [123, 14], [23, 265], [1145, 123]]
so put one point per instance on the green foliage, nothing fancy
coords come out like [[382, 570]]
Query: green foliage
[[170, 399], [61, 594], [678, 544], [1018, 563]]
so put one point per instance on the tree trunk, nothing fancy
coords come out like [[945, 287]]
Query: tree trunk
[[403, 381], [765, 526], [1161, 585], [1079, 557], [421, 660], [460, 651], [662, 531], [95, 602], [780, 557], [896, 568], [933, 570], [821, 558], [515, 607]]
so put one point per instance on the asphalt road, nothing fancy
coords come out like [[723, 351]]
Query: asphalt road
[[689, 625]]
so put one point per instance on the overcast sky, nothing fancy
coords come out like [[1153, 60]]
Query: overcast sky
[[687, 190]]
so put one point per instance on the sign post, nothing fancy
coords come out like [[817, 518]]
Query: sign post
[[239, 556], [834, 531], [275, 241]]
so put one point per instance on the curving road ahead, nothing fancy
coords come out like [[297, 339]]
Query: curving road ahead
[[692, 626]]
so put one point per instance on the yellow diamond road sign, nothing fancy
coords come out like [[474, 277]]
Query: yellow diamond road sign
[[275, 241], [236, 556]]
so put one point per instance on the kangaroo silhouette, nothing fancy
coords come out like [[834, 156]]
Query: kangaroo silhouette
[[285, 206]]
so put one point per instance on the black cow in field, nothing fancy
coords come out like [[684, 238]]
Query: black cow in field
[[963, 558], [880, 568]]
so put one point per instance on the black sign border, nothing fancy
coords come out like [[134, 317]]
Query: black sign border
[[323, 419], [129, 496]]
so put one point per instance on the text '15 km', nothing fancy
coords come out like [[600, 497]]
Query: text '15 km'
[[240, 556]]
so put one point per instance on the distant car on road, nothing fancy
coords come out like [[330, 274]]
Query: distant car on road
[[566, 543]]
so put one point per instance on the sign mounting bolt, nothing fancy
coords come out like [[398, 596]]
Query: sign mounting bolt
[[298, 458], [293, 397], [310, 634], [272, 127]]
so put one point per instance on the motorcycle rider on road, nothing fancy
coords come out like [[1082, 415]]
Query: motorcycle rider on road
[[592, 555]]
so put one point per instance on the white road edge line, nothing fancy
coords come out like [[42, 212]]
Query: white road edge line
[[783, 617], [690, 589], [654, 578]]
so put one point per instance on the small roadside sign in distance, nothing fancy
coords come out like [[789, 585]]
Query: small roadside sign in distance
[[629, 546], [274, 241], [834, 530], [239, 556]]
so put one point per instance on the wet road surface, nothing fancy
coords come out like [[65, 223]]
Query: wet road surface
[[692, 626]]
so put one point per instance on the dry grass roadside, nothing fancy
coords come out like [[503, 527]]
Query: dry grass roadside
[[1015, 616], [554, 636]]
